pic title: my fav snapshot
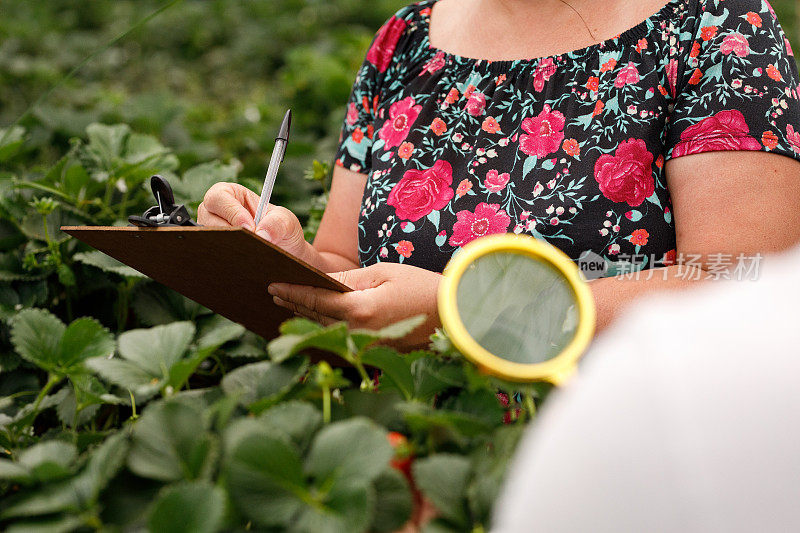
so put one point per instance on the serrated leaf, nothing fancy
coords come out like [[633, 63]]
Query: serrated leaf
[[155, 350], [197, 507], [443, 478], [198, 179], [423, 418], [298, 420], [393, 366], [250, 346], [263, 382], [299, 326], [218, 330], [50, 460], [331, 339], [265, 480], [36, 335], [171, 443], [42, 339], [11, 140], [107, 264], [156, 305], [393, 502], [123, 373], [60, 524], [354, 450], [67, 408], [84, 338], [107, 142], [78, 493], [364, 337], [347, 507]]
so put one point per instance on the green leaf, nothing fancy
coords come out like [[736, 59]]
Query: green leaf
[[11, 140], [443, 479], [78, 493], [107, 264], [196, 507], [299, 326], [155, 350], [394, 367], [432, 376], [331, 339], [107, 142], [265, 480], [125, 374], [12, 471], [42, 339], [346, 508], [218, 330], [48, 461], [36, 335], [83, 339], [171, 443], [397, 330], [393, 502], [155, 305], [364, 337], [198, 179], [298, 420], [422, 417], [264, 382], [354, 450], [249, 346], [61, 524]]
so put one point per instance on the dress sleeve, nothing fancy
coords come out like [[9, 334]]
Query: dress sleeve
[[738, 84], [358, 130]]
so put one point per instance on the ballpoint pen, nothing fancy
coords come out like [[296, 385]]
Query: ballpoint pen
[[274, 164]]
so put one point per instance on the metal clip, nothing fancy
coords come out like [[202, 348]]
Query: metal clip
[[166, 213]]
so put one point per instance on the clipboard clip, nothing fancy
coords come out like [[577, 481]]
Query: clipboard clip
[[166, 213]]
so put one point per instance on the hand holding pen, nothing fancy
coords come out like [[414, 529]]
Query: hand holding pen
[[232, 204], [274, 164]]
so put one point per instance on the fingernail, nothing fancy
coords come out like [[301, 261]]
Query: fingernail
[[264, 235], [248, 226], [271, 289]]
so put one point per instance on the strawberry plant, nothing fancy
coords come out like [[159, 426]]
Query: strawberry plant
[[123, 405]]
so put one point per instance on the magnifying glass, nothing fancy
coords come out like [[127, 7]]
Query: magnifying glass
[[518, 308]]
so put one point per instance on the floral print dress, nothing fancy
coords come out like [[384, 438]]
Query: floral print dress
[[568, 148]]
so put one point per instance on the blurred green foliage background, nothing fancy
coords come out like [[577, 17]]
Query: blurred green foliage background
[[210, 78]]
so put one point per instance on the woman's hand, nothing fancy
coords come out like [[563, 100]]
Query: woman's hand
[[233, 205], [383, 294]]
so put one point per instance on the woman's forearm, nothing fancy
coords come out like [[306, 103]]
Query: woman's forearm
[[333, 262], [613, 295]]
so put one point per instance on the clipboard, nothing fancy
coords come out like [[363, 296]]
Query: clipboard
[[224, 269]]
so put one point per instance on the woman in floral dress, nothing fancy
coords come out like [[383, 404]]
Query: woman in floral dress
[[665, 146]]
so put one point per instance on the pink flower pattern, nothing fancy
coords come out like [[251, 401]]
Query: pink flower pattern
[[736, 43], [402, 116], [570, 148], [487, 219], [544, 133]]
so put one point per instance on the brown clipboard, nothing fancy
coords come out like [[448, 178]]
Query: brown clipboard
[[224, 269]]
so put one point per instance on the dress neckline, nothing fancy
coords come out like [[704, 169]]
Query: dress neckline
[[628, 36]]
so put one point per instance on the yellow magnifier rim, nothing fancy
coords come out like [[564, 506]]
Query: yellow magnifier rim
[[554, 370]]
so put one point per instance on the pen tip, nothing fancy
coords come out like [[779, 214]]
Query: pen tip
[[285, 126]]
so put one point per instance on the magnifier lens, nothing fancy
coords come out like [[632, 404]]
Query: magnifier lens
[[518, 308]]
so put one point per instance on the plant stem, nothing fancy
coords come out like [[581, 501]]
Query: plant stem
[[52, 380], [530, 405], [326, 404], [134, 416]]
